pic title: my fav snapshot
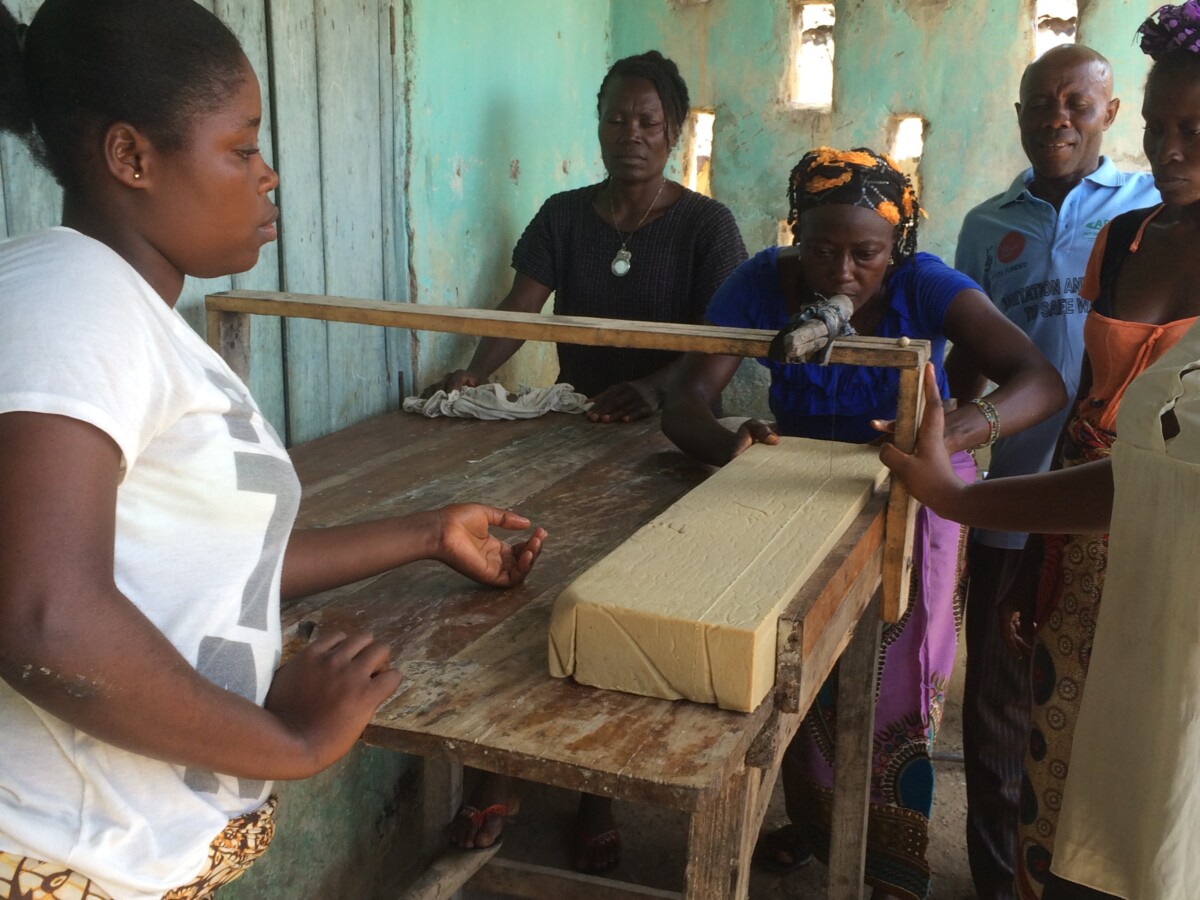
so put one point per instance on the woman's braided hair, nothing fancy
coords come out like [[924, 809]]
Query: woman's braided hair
[[664, 75], [858, 177]]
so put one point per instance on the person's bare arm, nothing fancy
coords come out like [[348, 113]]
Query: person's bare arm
[[73, 644], [718, 252], [1028, 388], [1072, 501], [318, 559], [688, 419], [1017, 603], [965, 380], [628, 401], [1081, 393], [525, 295]]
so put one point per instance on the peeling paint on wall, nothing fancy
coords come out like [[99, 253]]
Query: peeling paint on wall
[[956, 64], [348, 832], [510, 89]]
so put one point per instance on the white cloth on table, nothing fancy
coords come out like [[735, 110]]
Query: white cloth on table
[[493, 401], [1130, 822]]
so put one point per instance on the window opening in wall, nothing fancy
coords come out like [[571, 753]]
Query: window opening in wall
[[905, 146], [699, 141], [784, 238], [1055, 22], [811, 74]]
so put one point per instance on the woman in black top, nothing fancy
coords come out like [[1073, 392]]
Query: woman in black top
[[636, 246]]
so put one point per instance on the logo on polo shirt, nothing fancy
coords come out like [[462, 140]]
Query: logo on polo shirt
[[1010, 247], [1095, 225]]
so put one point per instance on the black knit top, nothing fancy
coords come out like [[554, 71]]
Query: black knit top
[[678, 262]]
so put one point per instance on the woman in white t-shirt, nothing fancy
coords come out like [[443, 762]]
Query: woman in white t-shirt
[[146, 507]]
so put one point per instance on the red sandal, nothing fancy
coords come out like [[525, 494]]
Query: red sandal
[[586, 845], [477, 817]]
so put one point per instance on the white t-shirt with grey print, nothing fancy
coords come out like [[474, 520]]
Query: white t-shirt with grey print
[[205, 506]]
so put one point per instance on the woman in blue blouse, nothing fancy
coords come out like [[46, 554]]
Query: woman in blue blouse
[[854, 219]]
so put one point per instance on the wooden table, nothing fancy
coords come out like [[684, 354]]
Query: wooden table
[[229, 324], [476, 690]]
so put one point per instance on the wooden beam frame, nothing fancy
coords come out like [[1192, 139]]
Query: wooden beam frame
[[228, 316]]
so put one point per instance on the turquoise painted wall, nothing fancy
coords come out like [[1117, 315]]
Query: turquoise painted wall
[[331, 131], [957, 64], [490, 108], [348, 832], [502, 100], [1110, 26], [499, 114]]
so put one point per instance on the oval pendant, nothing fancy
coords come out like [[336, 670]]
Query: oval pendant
[[621, 263]]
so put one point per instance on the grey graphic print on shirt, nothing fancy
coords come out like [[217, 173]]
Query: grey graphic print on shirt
[[230, 664]]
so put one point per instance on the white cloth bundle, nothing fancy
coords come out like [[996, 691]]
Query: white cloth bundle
[[492, 401]]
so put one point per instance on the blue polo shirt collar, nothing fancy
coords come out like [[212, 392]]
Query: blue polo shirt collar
[[1106, 174]]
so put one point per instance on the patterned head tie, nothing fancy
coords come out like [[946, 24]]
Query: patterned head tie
[[1170, 28], [858, 177]]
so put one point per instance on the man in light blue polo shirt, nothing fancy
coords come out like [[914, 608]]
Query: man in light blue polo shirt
[[1028, 248]]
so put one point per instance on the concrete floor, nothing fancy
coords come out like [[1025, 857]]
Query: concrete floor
[[654, 852]]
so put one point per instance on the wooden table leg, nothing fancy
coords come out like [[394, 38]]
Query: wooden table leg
[[441, 794], [852, 757], [714, 849], [902, 509], [229, 335], [757, 796]]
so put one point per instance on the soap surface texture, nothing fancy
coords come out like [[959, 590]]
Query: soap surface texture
[[687, 607]]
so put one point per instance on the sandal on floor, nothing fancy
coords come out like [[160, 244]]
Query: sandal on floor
[[587, 844], [783, 850], [478, 817]]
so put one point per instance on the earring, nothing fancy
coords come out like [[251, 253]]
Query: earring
[[137, 175], [891, 260]]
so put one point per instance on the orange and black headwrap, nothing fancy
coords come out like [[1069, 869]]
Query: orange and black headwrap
[[858, 177]]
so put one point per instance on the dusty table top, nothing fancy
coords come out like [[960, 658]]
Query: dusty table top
[[476, 682]]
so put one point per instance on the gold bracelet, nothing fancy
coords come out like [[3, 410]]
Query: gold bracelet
[[988, 409]]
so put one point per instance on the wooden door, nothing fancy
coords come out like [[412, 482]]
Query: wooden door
[[336, 67], [330, 71]]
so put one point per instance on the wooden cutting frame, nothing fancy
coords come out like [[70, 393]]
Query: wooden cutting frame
[[228, 314]]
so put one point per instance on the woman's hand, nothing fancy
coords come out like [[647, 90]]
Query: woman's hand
[[1015, 613], [526, 296], [988, 347], [887, 428], [926, 472], [1017, 604], [457, 379], [466, 545], [627, 401], [752, 431], [688, 419], [326, 694]]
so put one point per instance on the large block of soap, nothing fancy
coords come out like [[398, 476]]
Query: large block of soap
[[688, 606]]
